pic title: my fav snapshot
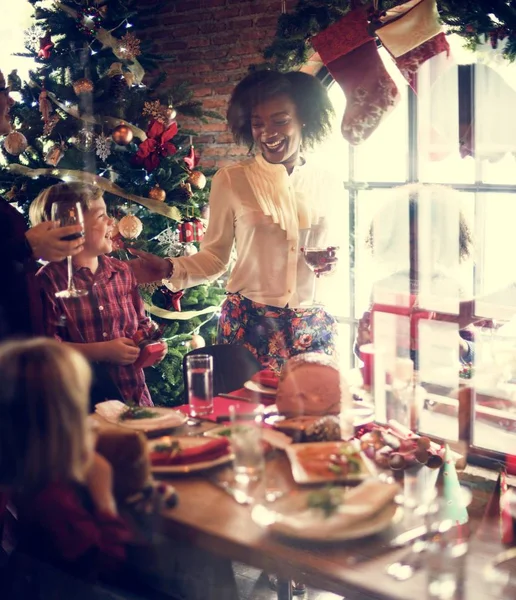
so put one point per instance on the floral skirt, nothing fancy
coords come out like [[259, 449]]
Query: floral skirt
[[275, 334]]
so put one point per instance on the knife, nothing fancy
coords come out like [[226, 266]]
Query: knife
[[240, 496], [408, 536]]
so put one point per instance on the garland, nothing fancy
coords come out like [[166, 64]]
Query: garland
[[477, 21]]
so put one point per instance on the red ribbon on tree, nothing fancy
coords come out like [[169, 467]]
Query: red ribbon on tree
[[45, 46], [156, 146], [174, 298]]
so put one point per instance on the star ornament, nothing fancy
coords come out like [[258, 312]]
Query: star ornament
[[45, 46], [157, 145]]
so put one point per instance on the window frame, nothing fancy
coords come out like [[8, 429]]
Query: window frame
[[466, 82]]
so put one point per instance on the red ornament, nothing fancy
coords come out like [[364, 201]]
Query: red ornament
[[174, 299], [191, 160], [45, 46], [156, 145], [186, 232], [198, 229]]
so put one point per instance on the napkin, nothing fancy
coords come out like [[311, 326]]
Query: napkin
[[267, 377], [205, 452], [361, 504]]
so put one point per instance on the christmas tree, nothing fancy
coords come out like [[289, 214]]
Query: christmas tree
[[89, 113]]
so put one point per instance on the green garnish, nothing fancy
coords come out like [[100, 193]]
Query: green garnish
[[136, 412], [228, 431], [172, 447], [328, 500]]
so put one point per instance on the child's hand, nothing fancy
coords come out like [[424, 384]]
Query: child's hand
[[99, 481], [122, 351], [163, 353]]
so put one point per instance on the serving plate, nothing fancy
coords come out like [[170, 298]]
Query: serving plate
[[258, 388], [311, 463], [271, 436], [165, 418], [290, 517], [186, 442]]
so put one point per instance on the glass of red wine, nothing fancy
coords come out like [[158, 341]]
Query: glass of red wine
[[69, 213], [320, 258]]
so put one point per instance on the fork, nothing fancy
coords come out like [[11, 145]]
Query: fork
[[409, 563]]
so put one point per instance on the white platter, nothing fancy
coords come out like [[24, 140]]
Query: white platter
[[303, 476], [187, 442]]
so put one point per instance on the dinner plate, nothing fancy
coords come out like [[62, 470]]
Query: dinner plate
[[289, 517], [301, 455], [165, 418], [272, 437], [186, 442], [258, 388]]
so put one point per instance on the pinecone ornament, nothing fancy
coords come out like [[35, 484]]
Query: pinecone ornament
[[118, 87]]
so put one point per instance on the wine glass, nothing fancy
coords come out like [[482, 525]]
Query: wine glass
[[320, 258], [69, 213]]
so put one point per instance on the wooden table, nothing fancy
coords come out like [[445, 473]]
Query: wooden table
[[208, 517]]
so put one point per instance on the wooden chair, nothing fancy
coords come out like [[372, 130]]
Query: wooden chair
[[233, 365]]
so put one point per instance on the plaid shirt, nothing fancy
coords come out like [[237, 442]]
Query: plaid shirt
[[112, 309]]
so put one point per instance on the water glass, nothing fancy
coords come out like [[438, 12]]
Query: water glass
[[246, 444], [199, 377], [446, 552]]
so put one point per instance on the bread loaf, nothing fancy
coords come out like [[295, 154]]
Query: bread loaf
[[311, 384]]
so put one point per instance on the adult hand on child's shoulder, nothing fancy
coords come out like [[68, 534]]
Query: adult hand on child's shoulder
[[148, 267], [99, 481], [122, 351], [47, 241]]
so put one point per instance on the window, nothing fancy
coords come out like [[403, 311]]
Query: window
[[456, 132]]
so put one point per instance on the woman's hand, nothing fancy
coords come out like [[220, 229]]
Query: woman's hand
[[99, 481], [148, 267], [46, 241], [163, 353], [121, 351]]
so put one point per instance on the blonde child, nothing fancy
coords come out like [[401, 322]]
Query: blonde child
[[62, 489], [103, 323]]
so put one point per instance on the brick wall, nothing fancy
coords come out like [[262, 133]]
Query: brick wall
[[213, 43]]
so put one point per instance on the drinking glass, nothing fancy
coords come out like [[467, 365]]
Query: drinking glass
[[246, 444], [320, 258], [199, 376], [69, 213]]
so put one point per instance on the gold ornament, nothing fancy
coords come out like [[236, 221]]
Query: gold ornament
[[156, 110], [157, 193], [197, 179], [130, 227], [15, 143], [122, 135], [197, 341], [128, 47], [84, 140], [55, 154], [51, 123], [129, 78], [83, 86]]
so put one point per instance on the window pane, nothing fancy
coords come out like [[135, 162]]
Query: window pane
[[439, 131]]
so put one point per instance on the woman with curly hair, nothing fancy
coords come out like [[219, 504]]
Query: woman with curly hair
[[266, 205]]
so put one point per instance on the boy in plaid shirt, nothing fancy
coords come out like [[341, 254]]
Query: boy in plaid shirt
[[102, 323]]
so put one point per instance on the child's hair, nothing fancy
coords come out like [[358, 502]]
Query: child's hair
[[84, 193], [44, 400]]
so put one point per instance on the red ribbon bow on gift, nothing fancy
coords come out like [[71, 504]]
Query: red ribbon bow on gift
[[156, 145]]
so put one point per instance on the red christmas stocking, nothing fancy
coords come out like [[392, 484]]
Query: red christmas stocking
[[409, 63], [351, 56], [411, 33]]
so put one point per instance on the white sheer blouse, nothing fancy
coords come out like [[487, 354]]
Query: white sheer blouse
[[266, 213]]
